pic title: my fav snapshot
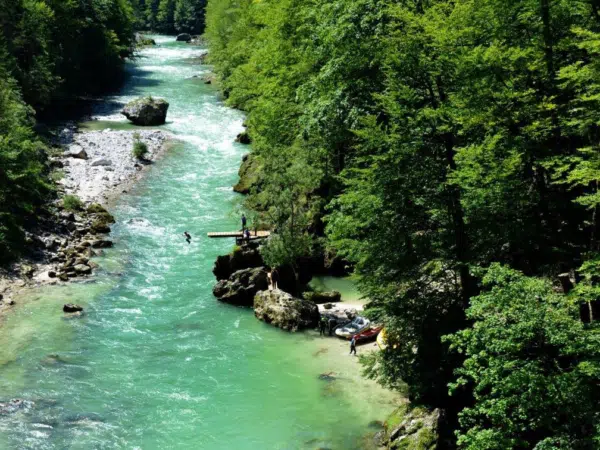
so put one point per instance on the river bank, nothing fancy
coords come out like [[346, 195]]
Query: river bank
[[96, 167]]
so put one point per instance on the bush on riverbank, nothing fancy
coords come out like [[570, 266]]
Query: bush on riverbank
[[140, 149]]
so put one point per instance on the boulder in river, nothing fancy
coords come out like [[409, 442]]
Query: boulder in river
[[146, 111], [83, 269], [72, 308], [245, 257], [184, 37], [284, 311], [242, 286]]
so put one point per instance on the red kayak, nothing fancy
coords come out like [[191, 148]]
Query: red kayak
[[368, 335]]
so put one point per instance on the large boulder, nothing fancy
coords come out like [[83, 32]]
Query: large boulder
[[184, 37], [146, 111], [242, 286], [284, 311], [244, 257]]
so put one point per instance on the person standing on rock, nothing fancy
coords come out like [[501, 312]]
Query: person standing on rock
[[188, 238], [353, 345], [275, 278]]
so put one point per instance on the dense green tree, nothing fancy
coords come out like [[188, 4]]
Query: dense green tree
[[23, 184], [533, 366]]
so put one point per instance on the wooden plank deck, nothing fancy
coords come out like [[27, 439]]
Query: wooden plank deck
[[238, 234]]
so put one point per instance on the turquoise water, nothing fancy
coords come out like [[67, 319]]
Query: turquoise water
[[156, 362]]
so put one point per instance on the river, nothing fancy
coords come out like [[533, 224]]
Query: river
[[156, 362]]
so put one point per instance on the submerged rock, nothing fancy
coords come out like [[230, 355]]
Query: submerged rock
[[284, 311], [102, 243], [242, 286], [72, 308], [14, 405], [146, 111]]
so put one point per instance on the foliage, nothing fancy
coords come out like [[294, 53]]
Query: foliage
[[23, 183], [425, 141], [140, 149], [57, 47], [533, 366], [170, 16], [72, 203]]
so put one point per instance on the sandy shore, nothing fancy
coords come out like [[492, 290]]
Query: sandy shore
[[96, 166]]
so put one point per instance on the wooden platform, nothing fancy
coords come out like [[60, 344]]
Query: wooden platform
[[239, 234]]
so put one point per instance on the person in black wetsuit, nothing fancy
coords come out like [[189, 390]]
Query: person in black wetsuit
[[188, 238], [275, 278], [243, 222], [353, 345], [322, 325]]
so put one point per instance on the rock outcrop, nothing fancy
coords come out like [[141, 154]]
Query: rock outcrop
[[411, 429], [242, 286], [248, 174], [280, 309], [245, 257], [146, 111]]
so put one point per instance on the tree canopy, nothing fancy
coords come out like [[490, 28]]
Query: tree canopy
[[437, 139]]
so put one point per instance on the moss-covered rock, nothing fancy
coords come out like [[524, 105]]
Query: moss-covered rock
[[101, 223], [410, 428], [249, 174], [96, 208]]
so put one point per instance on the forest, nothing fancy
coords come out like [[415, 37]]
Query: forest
[[52, 51], [449, 151], [170, 16]]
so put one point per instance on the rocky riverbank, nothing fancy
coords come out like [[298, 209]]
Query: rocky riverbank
[[91, 170]]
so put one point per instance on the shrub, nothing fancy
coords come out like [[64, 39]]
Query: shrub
[[140, 149], [72, 203]]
